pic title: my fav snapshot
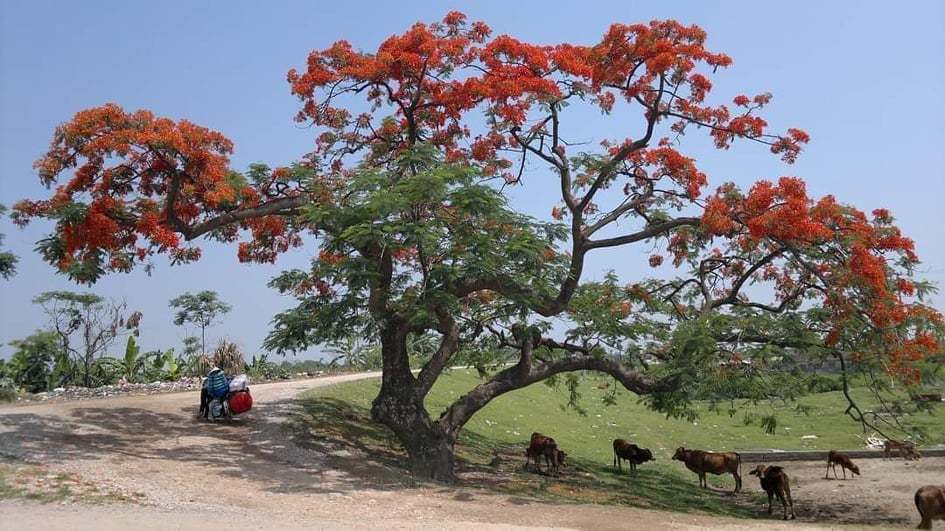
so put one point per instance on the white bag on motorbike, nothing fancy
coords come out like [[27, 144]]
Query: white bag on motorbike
[[239, 383], [216, 408]]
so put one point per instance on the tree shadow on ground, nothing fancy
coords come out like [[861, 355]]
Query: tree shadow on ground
[[262, 446], [345, 432]]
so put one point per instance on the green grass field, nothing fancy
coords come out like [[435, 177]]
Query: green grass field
[[507, 422]]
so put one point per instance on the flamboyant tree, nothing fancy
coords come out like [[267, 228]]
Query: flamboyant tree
[[404, 190]]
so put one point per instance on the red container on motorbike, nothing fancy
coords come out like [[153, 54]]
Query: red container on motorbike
[[240, 402]]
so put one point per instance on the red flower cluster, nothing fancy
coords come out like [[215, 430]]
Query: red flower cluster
[[123, 163]]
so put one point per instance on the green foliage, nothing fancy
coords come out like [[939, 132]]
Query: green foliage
[[440, 216], [8, 389], [8, 260], [200, 309], [260, 368], [104, 371], [157, 365], [86, 325], [198, 365], [769, 423], [73, 301], [356, 354], [29, 367], [132, 362], [191, 346]]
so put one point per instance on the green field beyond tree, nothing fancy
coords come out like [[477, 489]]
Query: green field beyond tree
[[506, 424], [513, 417]]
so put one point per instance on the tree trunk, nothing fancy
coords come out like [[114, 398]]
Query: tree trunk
[[399, 406]]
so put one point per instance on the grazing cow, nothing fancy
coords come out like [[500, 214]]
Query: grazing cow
[[541, 446], [702, 462], [906, 449], [556, 461], [835, 458], [775, 482], [930, 501], [631, 453]]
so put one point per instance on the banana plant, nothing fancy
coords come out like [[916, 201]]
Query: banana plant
[[132, 362], [172, 366]]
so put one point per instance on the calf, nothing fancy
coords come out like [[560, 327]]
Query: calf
[[702, 462], [930, 501], [835, 458], [631, 453], [906, 449], [541, 446], [556, 461], [775, 482]]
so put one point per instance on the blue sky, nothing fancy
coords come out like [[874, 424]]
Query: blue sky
[[865, 79]]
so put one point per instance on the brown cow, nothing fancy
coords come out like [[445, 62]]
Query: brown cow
[[631, 453], [557, 461], [541, 446], [702, 462], [930, 501], [835, 458], [775, 482], [906, 449]]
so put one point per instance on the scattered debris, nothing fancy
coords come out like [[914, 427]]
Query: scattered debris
[[188, 383]]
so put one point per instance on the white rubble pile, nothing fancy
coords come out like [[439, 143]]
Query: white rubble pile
[[121, 388]]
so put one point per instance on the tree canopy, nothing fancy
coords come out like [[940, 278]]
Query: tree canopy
[[201, 309]]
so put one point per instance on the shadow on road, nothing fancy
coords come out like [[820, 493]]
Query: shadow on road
[[268, 446]]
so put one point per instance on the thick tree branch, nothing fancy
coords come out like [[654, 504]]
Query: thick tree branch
[[449, 344], [657, 229], [512, 379], [282, 206]]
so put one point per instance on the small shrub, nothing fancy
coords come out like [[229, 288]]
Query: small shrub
[[197, 365], [748, 419], [229, 357], [8, 391], [822, 383]]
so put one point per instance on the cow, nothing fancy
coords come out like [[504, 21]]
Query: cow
[[775, 482], [906, 449], [702, 462], [835, 458], [556, 461], [541, 446], [631, 453], [930, 501]]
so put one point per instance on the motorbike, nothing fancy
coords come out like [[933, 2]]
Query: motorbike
[[223, 398]]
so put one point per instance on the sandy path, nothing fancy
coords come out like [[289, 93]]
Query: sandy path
[[152, 447]]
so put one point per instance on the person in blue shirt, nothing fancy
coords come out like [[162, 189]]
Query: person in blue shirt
[[215, 385]]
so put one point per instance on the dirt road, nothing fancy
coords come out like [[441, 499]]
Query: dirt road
[[152, 452]]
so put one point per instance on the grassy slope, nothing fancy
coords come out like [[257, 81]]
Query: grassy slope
[[508, 421]]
